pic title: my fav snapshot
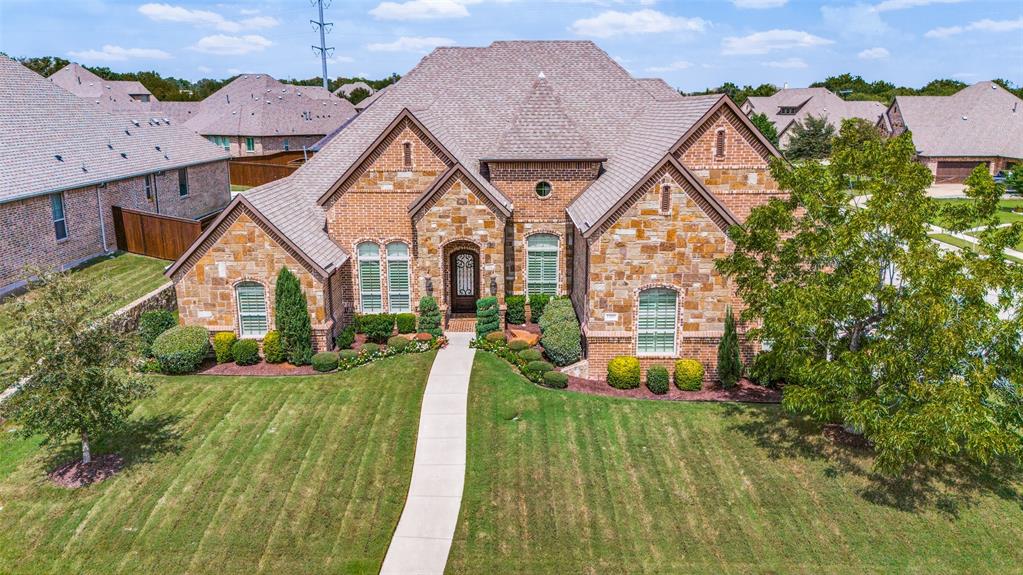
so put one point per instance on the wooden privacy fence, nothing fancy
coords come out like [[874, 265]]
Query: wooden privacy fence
[[163, 237], [260, 170]]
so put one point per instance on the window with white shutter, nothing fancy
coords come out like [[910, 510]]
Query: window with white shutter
[[542, 264], [369, 278], [399, 298], [656, 325], [251, 309]]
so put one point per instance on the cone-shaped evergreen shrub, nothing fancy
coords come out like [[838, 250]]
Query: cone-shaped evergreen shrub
[[292, 318], [488, 318], [729, 362], [429, 317]]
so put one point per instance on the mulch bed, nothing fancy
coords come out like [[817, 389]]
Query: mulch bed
[[75, 474], [261, 368], [745, 391], [839, 436]]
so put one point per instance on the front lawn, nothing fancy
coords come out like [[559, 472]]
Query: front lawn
[[561, 482], [1005, 214], [228, 475]]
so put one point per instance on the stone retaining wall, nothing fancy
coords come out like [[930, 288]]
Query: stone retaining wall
[[126, 319]]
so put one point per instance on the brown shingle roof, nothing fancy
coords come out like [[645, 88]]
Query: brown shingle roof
[[40, 121], [812, 101], [111, 95]]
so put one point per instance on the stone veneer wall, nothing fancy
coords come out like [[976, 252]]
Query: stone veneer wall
[[242, 250]]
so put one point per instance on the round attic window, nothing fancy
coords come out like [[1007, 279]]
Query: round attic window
[[543, 189]]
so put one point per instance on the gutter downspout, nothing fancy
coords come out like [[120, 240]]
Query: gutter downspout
[[156, 194], [102, 224]]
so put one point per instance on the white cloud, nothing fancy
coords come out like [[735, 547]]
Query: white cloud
[[759, 4], [771, 40], [205, 69], [233, 71], [889, 5], [855, 20], [613, 23], [109, 53], [223, 45], [673, 67], [204, 18], [874, 54], [340, 59], [415, 44], [421, 10], [788, 63], [985, 25]]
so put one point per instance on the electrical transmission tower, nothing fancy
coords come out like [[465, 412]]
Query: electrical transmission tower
[[324, 27]]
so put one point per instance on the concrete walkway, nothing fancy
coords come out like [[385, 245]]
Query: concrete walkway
[[423, 537]]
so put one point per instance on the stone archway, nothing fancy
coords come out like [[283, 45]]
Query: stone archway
[[460, 262]]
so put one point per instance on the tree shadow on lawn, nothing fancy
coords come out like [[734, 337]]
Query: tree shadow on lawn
[[140, 441], [948, 488]]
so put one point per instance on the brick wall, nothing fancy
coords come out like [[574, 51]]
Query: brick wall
[[209, 190]]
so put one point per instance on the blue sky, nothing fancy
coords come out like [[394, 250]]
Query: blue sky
[[691, 44]]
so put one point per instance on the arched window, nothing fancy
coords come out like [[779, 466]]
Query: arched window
[[407, 154], [251, 298], [719, 144], [542, 264], [656, 325], [369, 277], [399, 297]]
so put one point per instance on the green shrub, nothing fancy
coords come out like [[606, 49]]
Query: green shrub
[[368, 348], [563, 342], [517, 345], [623, 372], [429, 317], [377, 327], [768, 369], [729, 362], [181, 349], [559, 310], [273, 351], [497, 337], [325, 361], [222, 344], [398, 342], [657, 379], [531, 354], [152, 324], [555, 379], [689, 375], [515, 314], [292, 318], [245, 352], [488, 318], [534, 370], [346, 354], [346, 338], [406, 322], [537, 303]]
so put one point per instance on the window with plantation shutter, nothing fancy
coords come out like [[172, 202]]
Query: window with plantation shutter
[[251, 309], [369, 278], [542, 264], [656, 325], [399, 298]]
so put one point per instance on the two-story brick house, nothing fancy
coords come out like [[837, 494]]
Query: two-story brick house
[[522, 167]]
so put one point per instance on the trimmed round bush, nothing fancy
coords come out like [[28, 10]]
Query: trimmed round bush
[[377, 327], [325, 361], [273, 350], [488, 316], [406, 322], [369, 348], [497, 336], [535, 369], [557, 311], [623, 372], [517, 345], [346, 338], [181, 349], [555, 379], [398, 342], [515, 314], [152, 323], [531, 354], [347, 354], [537, 303], [657, 379], [245, 352], [689, 375], [562, 341], [222, 343]]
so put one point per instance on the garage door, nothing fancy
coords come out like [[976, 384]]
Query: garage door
[[956, 172]]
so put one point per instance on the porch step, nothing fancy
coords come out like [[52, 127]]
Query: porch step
[[462, 323]]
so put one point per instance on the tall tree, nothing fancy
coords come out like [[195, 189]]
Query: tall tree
[[810, 139], [879, 329], [292, 318], [766, 127], [73, 371]]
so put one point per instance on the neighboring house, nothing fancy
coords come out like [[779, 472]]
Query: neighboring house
[[64, 163], [257, 115], [522, 167], [792, 105], [346, 89], [111, 95], [980, 124], [368, 101]]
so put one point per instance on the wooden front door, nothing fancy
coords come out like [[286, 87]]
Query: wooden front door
[[464, 268]]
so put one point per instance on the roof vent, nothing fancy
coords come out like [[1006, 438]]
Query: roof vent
[[124, 155], [59, 157], [157, 148], [541, 76], [110, 146], [964, 117], [84, 169], [136, 122], [127, 133]]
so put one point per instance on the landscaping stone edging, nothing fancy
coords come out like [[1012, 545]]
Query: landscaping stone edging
[[126, 319]]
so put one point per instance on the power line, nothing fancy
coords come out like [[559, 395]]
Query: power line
[[322, 48]]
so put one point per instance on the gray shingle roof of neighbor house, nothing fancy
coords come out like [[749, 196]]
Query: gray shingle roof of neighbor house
[[980, 120], [111, 95], [51, 140], [368, 101], [815, 102], [468, 98], [346, 89], [259, 105]]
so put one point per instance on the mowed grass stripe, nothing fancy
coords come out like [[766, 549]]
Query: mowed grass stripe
[[676, 487], [233, 493]]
